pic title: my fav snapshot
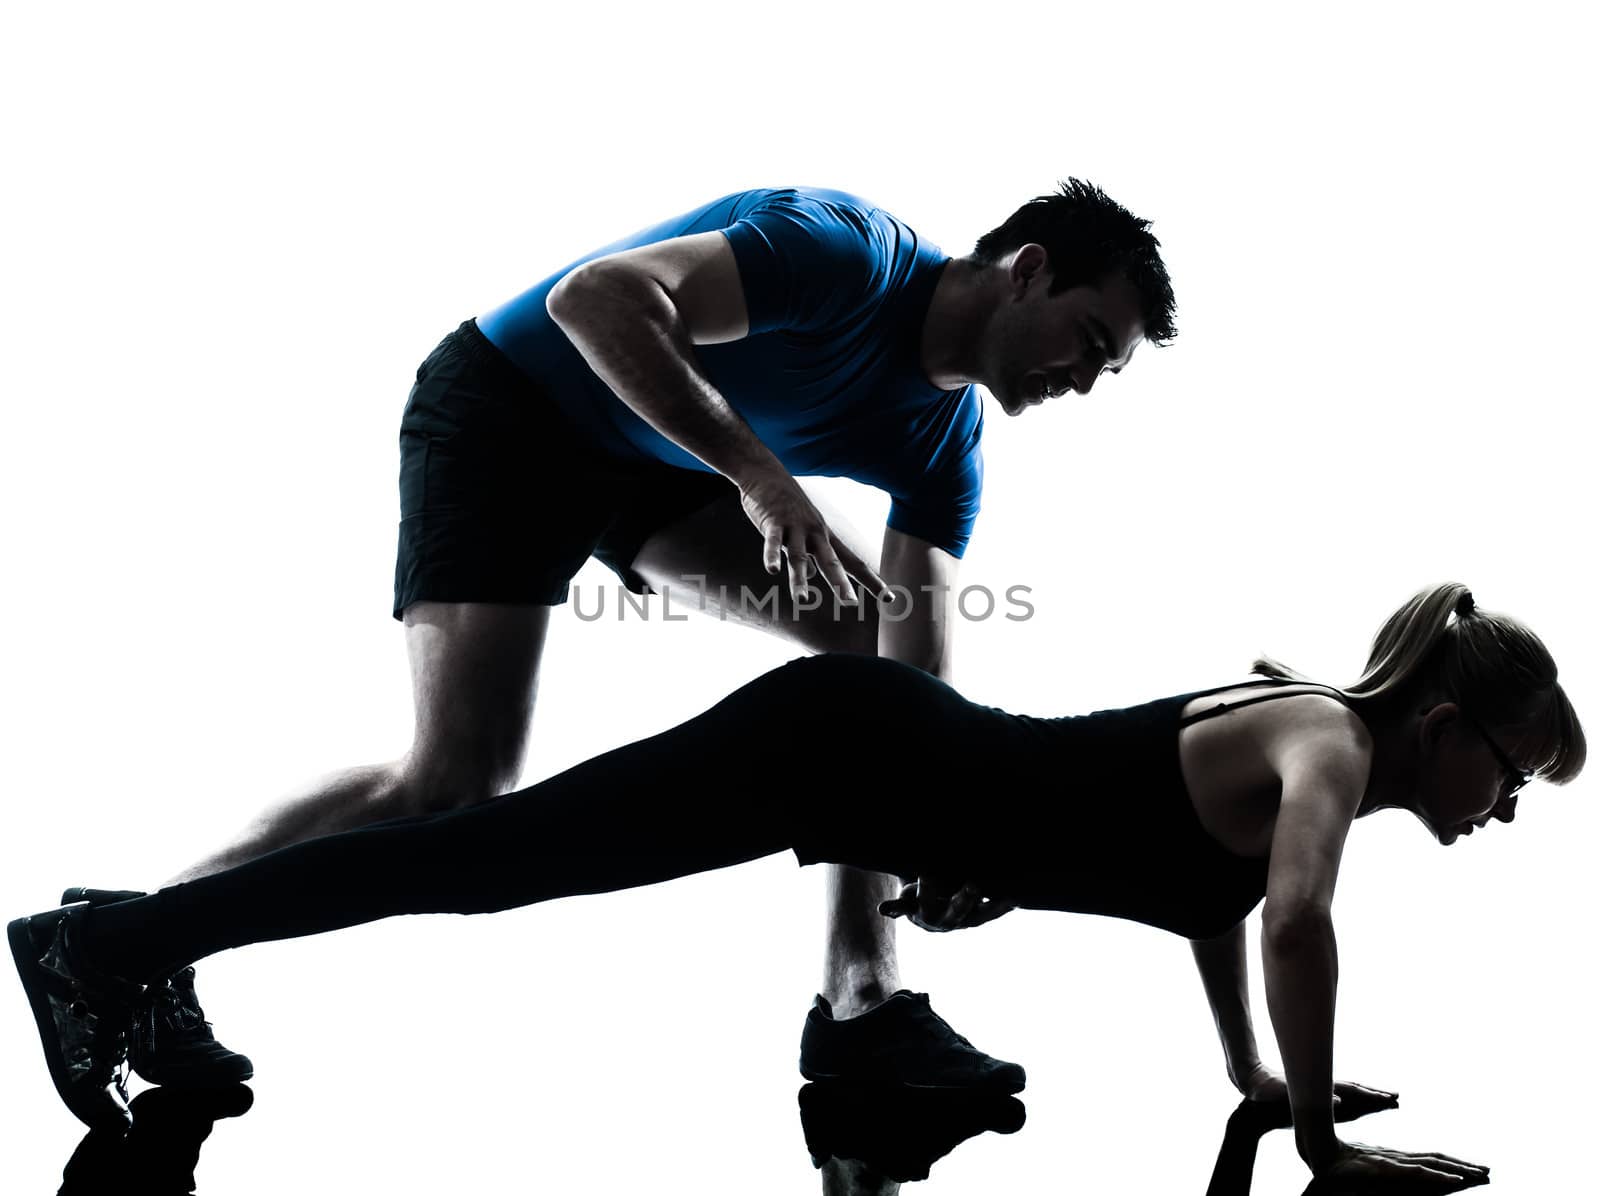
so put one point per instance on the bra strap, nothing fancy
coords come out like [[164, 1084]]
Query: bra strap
[[1224, 707]]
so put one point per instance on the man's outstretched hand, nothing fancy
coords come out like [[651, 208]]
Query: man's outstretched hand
[[935, 905], [793, 530]]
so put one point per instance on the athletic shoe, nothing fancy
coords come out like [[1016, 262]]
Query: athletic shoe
[[899, 1133], [85, 1018], [902, 1041], [172, 1042]]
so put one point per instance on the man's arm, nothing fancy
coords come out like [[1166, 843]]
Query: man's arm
[[917, 630], [1225, 975], [635, 317], [920, 625]]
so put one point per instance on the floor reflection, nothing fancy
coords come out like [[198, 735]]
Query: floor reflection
[[1249, 1122], [157, 1156], [867, 1141], [862, 1140]]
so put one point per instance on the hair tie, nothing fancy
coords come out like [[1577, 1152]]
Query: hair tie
[[1465, 605]]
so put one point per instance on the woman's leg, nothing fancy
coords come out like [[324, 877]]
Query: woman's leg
[[735, 783], [717, 790]]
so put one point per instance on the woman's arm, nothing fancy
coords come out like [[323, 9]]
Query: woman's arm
[[1224, 972], [1322, 759], [1301, 964]]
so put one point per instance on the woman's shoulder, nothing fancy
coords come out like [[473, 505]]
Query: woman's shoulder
[[1295, 724]]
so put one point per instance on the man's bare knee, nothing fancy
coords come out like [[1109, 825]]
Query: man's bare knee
[[475, 669], [436, 786], [835, 627]]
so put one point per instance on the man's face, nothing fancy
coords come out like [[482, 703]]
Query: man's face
[[1038, 345]]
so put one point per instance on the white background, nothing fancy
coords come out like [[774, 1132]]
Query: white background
[[229, 240]]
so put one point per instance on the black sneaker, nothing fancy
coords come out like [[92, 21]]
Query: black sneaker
[[172, 1043], [902, 1041], [85, 1018]]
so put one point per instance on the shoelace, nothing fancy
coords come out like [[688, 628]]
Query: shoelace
[[166, 1012], [951, 1030]]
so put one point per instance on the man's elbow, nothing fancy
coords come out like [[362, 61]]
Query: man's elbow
[[570, 295], [587, 288]]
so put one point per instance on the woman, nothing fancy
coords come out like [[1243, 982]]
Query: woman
[[1182, 813]]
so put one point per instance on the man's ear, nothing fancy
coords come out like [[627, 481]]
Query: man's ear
[[1030, 266]]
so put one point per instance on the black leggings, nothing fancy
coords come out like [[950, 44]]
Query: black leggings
[[754, 775]]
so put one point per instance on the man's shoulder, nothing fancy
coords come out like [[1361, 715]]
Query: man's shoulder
[[825, 196], [820, 207]]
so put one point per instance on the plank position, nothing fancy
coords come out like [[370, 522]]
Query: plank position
[[1181, 813]]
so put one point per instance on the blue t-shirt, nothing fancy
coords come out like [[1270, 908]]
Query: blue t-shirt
[[829, 377]]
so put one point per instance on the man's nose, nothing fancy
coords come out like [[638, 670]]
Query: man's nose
[[1083, 378]]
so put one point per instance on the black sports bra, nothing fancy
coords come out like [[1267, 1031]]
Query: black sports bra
[[1224, 707]]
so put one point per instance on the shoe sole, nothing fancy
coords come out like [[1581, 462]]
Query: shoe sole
[[1001, 1087], [25, 953]]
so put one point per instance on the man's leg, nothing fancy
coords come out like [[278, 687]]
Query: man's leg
[[860, 967], [474, 675], [863, 1025], [474, 670]]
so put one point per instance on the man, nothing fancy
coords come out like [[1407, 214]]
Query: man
[[651, 405]]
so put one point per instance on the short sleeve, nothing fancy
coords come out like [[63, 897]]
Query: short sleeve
[[944, 508], [806, 264]]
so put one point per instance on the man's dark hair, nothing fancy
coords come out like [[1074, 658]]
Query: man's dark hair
[[1088, 236]]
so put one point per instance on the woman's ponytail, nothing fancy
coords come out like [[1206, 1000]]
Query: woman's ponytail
[[1440, 646]]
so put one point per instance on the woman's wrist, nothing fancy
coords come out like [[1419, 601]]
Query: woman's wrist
[[1315, 1139], [1241, 1073]]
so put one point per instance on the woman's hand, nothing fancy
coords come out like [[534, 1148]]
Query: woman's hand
[[1265, 1087], [1359, 1168]]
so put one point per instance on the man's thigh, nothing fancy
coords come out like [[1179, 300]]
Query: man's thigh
[[501, 499], [711, 560], [474, 675]]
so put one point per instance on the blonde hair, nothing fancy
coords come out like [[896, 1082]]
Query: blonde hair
[[1489, 664]]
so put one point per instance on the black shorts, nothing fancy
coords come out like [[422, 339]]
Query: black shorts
[[502, 498]]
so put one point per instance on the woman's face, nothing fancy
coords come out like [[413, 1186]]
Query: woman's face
[[1463, 784]]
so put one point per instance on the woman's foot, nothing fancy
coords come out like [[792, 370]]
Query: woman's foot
[[85, 1018], [172, 1043]]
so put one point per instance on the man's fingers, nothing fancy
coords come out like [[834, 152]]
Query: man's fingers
[[799, 568], [932, 910], [989, 911], [931, 905], [905, 903], [958, 912], [833, 570], [863, 572], [772, 550], [968, 908]]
